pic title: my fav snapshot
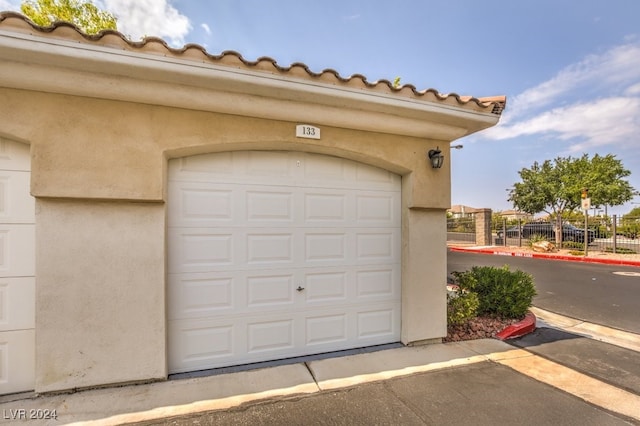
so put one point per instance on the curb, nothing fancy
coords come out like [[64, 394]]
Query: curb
[[526, 326], [500, 252]]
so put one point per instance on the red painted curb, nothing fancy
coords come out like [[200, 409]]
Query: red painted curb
[[502, 252], [526, 326]]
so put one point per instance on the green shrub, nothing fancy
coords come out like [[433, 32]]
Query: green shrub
[[573, 245], [629, 228], [536, 238], [500, 291], [620, 250], [461, 307], [465, 280]]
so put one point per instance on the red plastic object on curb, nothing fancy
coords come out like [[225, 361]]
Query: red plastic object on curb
[[526, 326]]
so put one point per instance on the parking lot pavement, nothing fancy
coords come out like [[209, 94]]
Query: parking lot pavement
[[615, 365], [483, 393]]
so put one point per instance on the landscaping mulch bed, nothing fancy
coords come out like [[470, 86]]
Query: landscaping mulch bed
[[482, 327]]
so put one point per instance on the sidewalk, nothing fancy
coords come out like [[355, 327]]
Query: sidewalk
[[425, 385]]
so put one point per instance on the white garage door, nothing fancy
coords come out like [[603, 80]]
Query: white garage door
[[279, 254], [17, 282]]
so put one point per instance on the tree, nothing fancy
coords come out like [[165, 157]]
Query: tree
[[634, 213], [84, 14], [630, 225], [555, 187]]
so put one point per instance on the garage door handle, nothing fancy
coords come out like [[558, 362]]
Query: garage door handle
[[300, 288]]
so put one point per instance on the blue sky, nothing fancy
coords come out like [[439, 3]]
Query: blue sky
[[570, 69]]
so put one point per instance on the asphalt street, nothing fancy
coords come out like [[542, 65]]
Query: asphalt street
[[587, 291]]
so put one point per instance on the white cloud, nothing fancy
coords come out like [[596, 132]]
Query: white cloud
[[13, 5], [601, 122], [139, 18], [612, 69], [592, 103], [633, 90], [206, 28], [157, 18]]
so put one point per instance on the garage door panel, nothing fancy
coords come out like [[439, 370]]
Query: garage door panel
[[326, 329], [16, 205], [321, 169], [198, 345], [212, 343], [348, 246], [270, 335], [324, 287], [199, 249], [201, 295], [17, 303], [376, 323], [270, 291], [17, 269], [17, 361], [206, 204], [378, 283], [376, 177], [270, 206], [236, 168], [328, 207], [326, 246], [198, 204], [14, 156], [209, 343], [269, 248], [372, 246], [309, 263], [274, 165], [202, 166], [377, 209], [17, 250]]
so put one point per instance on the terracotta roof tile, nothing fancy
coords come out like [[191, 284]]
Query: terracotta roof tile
[[154, 45]]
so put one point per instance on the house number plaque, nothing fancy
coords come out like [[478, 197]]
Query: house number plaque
[[307, 131]]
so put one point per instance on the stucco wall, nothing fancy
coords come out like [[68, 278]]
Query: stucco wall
[[100, 302], [89, 148], [99, 176], [424, 242]]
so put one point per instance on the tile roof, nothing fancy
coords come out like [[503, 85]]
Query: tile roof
[[153, 45], [460, 208]]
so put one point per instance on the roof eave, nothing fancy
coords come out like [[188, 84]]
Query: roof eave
[[31, 62]]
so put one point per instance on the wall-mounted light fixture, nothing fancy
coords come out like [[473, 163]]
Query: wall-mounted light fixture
[[436, 158]]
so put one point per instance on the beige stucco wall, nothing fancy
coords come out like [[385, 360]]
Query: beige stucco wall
[[424, 275], [100, 300], [99, 177], [89, 148]]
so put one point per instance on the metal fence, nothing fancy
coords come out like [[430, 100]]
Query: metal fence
[[604, 233], [461, 229]]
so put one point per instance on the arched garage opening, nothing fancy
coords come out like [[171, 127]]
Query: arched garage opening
[[17, 269], [275, 254]]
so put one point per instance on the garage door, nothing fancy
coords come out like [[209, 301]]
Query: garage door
[[17, 282], [279, 254]]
